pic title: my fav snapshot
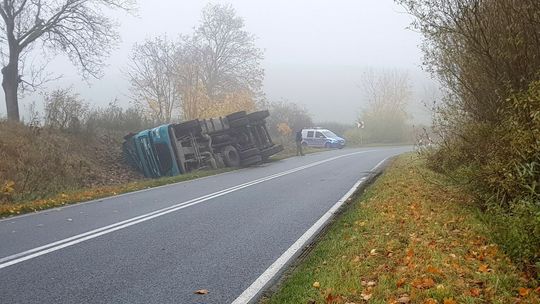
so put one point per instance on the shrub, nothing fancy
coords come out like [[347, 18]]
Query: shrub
[[64, 110]]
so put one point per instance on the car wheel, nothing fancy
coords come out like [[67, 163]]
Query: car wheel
[[327, 145]]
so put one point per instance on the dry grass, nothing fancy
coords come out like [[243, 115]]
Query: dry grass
[[36, 163], [86, 194], [412, 238]]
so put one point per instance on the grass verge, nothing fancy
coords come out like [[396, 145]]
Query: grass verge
[[81, 195], [412, 238]]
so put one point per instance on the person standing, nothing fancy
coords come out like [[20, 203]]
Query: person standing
[[299, 143]]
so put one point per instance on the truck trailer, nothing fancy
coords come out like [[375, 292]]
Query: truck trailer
[[238, 139]]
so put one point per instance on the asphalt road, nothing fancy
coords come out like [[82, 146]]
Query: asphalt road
[[218, 233]]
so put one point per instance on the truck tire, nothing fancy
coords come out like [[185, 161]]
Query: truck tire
[[231, 156], [259, 115], [251, 161], [237, 123], [236, 115]]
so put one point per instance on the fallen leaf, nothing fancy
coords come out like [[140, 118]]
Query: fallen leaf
[[483, 268], [410, 253], [475, 292], [430, 301], [317, 285], [433, 270], [201, 291], [373, 252], [404, 299], [524, 291], [366, 295], [400, 282], [331, 299], [449, 301], [423, 283], [371, 283]]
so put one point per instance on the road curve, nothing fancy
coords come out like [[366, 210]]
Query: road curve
[[218, 233]]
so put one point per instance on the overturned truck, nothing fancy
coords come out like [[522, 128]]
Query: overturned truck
[[238, 139]]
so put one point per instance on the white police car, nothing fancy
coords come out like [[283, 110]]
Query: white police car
[[321, 138]]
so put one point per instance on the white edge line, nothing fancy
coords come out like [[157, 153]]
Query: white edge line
[[98, 200], [271, 273], [51, 247]]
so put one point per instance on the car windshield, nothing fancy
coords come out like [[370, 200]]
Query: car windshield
[[329, 134]]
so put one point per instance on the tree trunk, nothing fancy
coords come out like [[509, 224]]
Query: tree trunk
[[10, 84]]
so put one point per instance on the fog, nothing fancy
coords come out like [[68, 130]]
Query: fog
[[315, 51]]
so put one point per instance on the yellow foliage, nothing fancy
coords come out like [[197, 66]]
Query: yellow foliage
[[7, 190], [229, 103], [197, 104], [8, 187], [284, 129]]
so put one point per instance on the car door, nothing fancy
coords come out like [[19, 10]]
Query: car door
[[320, 139], [310, 137]]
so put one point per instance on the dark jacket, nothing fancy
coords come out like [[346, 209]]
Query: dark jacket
[[299, 136]]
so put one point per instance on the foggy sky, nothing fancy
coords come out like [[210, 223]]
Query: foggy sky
[[315, 50]]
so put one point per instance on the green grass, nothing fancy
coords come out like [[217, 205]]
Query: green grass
[[412, 236]]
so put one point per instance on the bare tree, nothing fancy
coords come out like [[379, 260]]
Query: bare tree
[[77, 28], [64, 109], [230, 61], [387, 93], [153, 77]]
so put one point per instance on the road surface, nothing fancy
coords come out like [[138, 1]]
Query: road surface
[[218, 233]]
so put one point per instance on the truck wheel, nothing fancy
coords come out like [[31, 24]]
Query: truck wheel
[[259, 115], [236, 115], [239, 122], [231, 156]]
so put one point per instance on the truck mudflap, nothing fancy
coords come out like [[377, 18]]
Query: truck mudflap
[[266, 153]]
